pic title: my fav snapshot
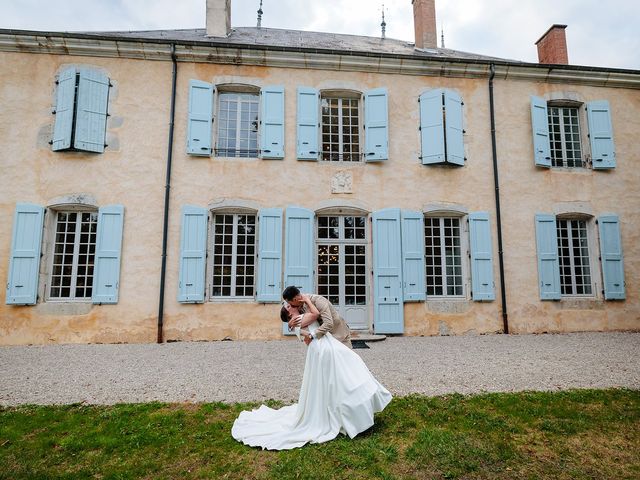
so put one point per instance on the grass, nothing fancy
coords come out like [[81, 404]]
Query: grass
[[578, 434]]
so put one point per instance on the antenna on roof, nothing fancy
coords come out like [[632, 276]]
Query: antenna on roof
[[383, 24], [260, 15], [442, 36]]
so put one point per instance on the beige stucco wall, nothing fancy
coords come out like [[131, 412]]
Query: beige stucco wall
[[132, 173]]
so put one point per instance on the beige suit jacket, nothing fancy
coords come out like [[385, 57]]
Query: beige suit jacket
[[330, 320]]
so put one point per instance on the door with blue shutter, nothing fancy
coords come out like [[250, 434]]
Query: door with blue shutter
[[376, 123], [298, 257], [193, 253], [603, 153], [611, 257], [454, 127], [387, 272], [200, 118], [106, 275], [482, 283], [308, 118], [272, 123], [270, 255], [548, 264], [540, 126], [24, 262], [432, 127], [413, 263], [91, 116], [65, 99]]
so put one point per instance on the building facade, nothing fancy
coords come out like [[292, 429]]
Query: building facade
[[168, 185]]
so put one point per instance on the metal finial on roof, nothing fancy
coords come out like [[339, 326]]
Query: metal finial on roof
[[383, 24], [260, 15], [442, 37]]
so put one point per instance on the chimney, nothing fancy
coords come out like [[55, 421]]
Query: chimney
[[424, 22], [218, 18], [552, 46]]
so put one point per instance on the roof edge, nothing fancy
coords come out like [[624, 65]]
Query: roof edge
[[64, 43]]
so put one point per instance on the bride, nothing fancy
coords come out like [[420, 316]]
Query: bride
[[338, 395]]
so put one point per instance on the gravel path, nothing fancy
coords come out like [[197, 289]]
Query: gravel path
[[256, 371]]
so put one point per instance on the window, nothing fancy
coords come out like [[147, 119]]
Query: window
[[237, 125], [341, 129], [234, 243], [443, 257], [81, 110], [564, 136], [573, 256], [73, 256], [342, 259], [441, 128]]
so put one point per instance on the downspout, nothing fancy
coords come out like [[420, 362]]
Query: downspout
[[503, 294], [167, 189]]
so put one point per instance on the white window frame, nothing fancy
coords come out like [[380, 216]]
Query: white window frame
[[211, 254], [236, 90], [592, 256], [464, 255], [343, 95], [50, 243], [343, 241]]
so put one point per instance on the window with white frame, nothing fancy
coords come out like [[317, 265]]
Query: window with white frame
[[342, 259], [564, 136], [341, 128], [73, 256], [573, 256], [443, 257], [237, 124], [234, 255]]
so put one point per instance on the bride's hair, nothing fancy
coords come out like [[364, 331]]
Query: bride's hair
[[284, 314]]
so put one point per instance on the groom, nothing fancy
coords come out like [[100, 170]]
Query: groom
[[329, 320]]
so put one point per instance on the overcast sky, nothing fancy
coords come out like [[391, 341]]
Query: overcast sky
[[600, 32]]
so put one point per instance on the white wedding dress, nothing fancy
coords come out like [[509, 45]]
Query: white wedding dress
[[338, 395]]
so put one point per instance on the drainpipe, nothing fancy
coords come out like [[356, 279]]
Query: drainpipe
[[503, 294], [167, 189]]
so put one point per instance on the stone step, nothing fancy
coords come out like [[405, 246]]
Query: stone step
[[366, 336]]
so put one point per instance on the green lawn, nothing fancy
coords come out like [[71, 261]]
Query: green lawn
[[590, 434]]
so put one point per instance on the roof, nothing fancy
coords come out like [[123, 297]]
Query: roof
[[297, 39]]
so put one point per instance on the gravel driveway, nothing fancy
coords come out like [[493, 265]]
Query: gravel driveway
[[237, 371]]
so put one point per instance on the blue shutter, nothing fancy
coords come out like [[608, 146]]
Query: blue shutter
[[308, 123], [200, 118], [548, 264], [482, 283], [298, 258], [272, 120], [106, 275], [431, 127], [603, 153], [24, 263], [91, 116], [65, 99], [270, 255], [454, 130], [387, 272], [540, 125], [413, 268], [193, 254], [376, 123], [611, 255]]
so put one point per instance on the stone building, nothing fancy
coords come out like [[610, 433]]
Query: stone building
[[167, 185]]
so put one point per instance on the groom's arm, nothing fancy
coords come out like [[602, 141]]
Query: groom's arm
[[324, 308]]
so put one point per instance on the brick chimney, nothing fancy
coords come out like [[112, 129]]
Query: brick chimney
[[218, 18], [552, 46], [424, 22]]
